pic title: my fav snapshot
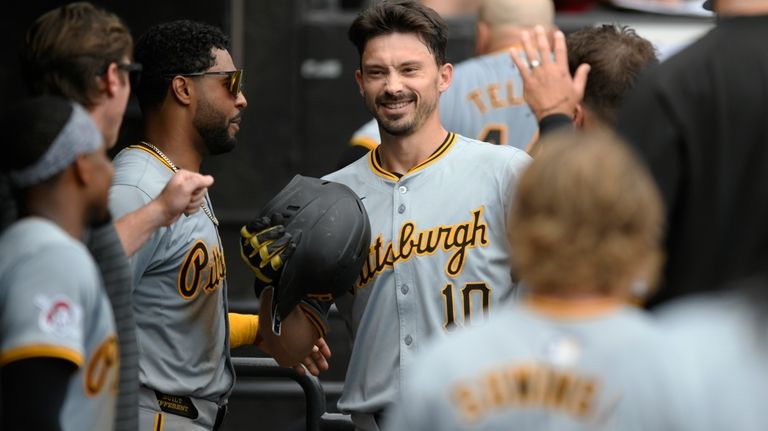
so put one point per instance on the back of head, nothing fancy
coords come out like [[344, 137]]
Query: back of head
[[517, 13], [616, 55], [30, 128], [587, 218], [176, 47], [403, 16], [68, 47]]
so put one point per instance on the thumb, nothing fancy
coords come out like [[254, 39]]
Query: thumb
[[205, 180], [580, 79]]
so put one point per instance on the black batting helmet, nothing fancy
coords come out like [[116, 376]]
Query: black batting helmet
[[332, 233]]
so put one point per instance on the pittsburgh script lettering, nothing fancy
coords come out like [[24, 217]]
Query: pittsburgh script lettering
[[410, 241]]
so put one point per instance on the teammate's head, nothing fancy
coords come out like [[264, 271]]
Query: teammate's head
[[500, 23], [186, 66], [616, 55], [586, 219], [82, 53], [53, 141], [402, 64]]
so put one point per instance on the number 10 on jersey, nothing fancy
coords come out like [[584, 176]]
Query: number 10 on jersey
[[470, 291]]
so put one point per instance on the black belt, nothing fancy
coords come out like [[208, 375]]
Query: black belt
[[183, 406]]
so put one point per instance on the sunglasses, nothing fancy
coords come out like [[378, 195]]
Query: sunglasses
[[234, 79], [133, 69]]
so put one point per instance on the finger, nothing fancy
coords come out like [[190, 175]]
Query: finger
[[522, 66], [205, 181], [580, 79], [311, 367], [530, 52], [545, 53], [299, 369], [323, 348], [561, 52]]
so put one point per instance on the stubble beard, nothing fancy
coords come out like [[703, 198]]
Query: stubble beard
[[404, 125]]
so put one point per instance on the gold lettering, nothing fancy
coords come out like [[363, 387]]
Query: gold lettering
[[493, 95], [469, 406], [476, 97], [455, 239], [511, 97]]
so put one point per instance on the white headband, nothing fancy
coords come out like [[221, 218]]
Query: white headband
[[79, 136]]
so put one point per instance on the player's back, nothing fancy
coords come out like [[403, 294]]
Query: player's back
[[485, 102], [724, 347], [527, 370]]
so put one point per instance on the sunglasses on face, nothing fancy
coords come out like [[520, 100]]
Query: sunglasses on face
[[234, 79]]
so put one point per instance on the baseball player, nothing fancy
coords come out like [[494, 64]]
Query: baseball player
[[586, 225], [485, 100], [58, 349], [83, 53], [191, 102], [437, 203]]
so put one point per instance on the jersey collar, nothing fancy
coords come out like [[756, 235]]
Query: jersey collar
[[375, 161]]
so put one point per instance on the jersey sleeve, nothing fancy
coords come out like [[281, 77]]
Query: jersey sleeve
[[514, 169], [45, 309]]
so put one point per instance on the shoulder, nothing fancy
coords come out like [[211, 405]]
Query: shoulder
[[137, 168], [351, 172], [494, 155]]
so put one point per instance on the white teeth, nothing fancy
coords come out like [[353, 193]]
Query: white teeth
[[395, 105]]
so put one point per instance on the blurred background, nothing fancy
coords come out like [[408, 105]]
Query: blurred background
[[303, 106]]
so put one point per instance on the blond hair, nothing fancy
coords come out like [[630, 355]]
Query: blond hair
[[587, 218]]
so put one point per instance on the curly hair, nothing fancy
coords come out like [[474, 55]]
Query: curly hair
[[586, 218], [176, 47], [67, 47], [616, 55], [403, 16]]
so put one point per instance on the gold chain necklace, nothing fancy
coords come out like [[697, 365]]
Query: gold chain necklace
[[176, 169]]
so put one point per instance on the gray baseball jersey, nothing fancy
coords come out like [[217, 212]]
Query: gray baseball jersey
[[723, 340], [53, 305], [438, 258], [532, 371], [180, 290], [484, 101]]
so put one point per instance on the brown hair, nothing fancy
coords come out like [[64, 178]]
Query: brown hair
[[68, 47], [616, 55], [405, 16], [587, 218]]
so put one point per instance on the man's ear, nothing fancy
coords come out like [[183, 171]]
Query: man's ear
[[81, 170], [578, 116], [446, 76], [482, 38], [182, 90], [109, 81], [359, 80]]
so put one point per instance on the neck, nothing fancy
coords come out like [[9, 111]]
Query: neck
[[399, 154], [741, 7], [55, 203], [174, 137], [504, 38], [101, 117], [573, 306]]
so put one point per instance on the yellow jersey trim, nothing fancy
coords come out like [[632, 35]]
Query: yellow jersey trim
[[364, 142], [41, 351], [377, 169], [564, 308], [152, 153]]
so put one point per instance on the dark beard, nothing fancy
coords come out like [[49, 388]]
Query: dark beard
[[214, 130], [217, 139]]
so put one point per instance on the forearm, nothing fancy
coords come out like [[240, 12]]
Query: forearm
[[135, 228], [297, 335]]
